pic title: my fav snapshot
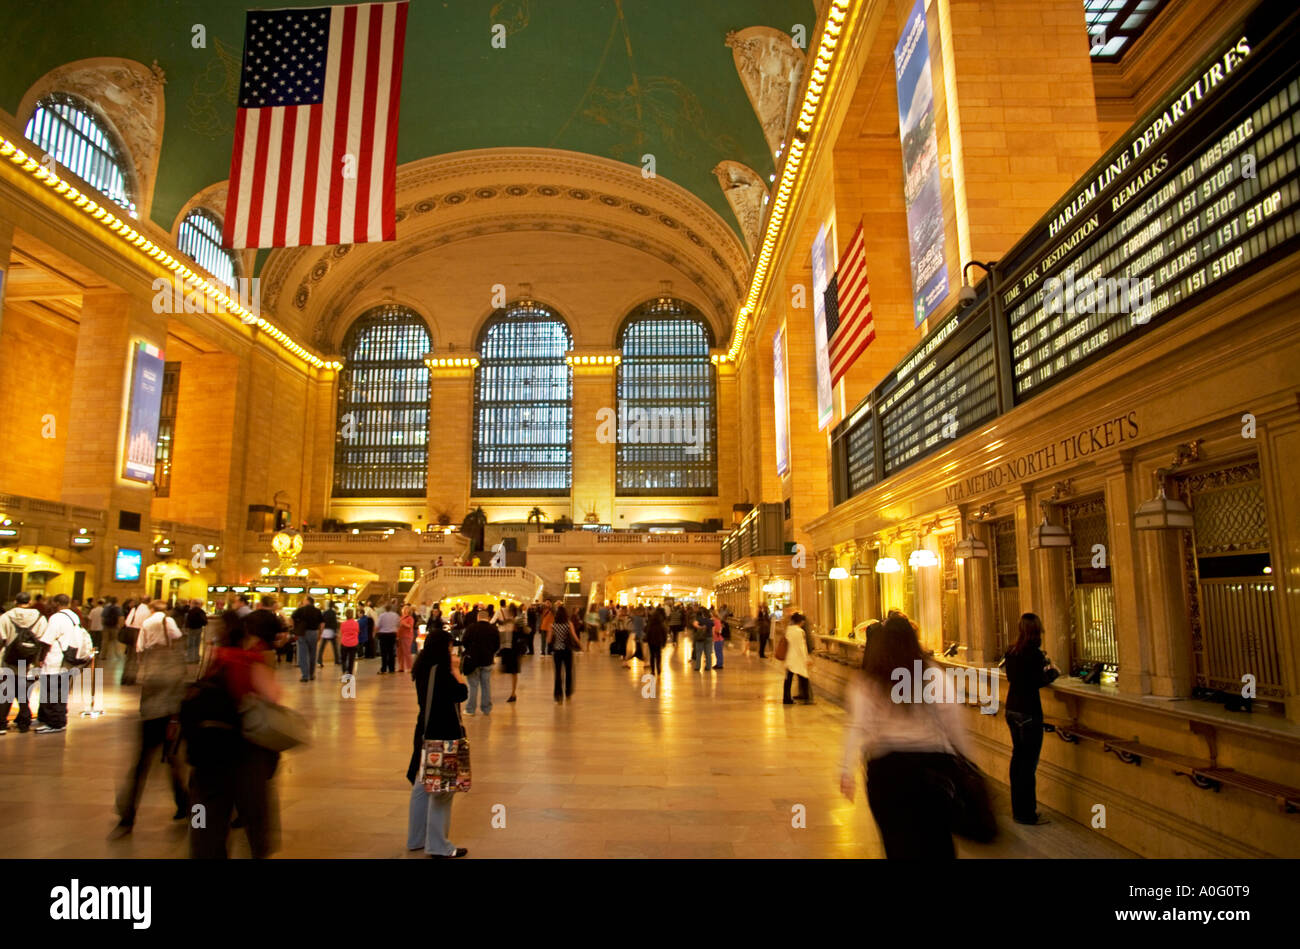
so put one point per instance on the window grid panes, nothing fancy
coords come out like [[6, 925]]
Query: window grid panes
[[66, 127], [667, 434], [383, 422], [1114, 24], [162, 469], [523, 405], [199, 237]]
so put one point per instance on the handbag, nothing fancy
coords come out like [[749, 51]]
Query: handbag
[[782, 649], [444, 765], [970, 811], [127, 634], [271, 726]]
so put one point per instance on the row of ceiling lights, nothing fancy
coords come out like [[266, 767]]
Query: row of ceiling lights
[[129, 235]]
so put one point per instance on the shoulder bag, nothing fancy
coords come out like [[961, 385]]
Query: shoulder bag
[[444, 765], [271, 726], [970, 810], [782, 649]]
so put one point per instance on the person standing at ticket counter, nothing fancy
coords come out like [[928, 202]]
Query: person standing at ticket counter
[[1028, 670]]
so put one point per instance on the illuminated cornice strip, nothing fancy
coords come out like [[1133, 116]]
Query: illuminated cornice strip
[[834, 36], [101, 216]]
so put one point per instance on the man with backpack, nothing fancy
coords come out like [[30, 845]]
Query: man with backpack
[[21, 630], [69, 648]]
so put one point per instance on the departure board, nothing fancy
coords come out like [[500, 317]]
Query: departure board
[[860, 451], [940, 401], [1205, 188]]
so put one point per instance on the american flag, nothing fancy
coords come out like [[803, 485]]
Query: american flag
[[316, 132], [849, 328]]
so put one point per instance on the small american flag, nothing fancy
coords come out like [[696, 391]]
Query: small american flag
[[316, 132], [849, 327]]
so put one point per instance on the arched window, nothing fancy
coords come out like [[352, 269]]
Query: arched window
[[667, 428], [68, 128], [199, 237], [383, 423], [523, 404]]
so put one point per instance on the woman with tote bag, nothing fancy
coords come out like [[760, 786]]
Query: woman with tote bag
[[440, 688]]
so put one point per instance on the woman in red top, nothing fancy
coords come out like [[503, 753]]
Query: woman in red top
[[350, 639], [405, 636]]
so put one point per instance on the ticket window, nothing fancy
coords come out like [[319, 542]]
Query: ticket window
[[1092, 594]]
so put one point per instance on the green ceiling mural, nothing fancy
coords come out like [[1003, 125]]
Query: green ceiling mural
[[617, 78]]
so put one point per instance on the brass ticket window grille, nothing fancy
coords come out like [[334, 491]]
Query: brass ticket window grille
[[1091, 593], [1230, 590], [1006, 583]]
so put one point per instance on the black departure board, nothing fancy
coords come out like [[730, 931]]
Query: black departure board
[[940, 401], [1192, 198], [860, 452]]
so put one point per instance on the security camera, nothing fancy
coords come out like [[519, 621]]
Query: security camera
[[966, 296]]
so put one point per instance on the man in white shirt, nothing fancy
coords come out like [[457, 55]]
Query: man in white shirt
[[96, 620], [65, 637], [21, 627]]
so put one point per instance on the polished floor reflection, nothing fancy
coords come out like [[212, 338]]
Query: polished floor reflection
[[710, 766]]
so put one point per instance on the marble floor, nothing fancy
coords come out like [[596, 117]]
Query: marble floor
[[713, 765]]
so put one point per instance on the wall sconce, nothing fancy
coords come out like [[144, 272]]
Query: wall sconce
[[1047, 535], [923, 558], [971, 548], [888, 565], [838, 573], [1162, 512]]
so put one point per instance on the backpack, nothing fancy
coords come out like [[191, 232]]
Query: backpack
[[70, 659], [24, 646], [209, 722]]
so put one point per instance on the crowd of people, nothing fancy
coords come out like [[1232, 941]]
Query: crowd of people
[[197, 691]]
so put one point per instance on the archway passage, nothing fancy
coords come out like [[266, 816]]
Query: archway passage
[[653, 583], [476, 585]]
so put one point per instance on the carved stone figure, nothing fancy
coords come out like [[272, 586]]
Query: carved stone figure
[[744, 190], [771, 68]]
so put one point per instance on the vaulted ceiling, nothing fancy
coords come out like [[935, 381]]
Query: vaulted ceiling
[[618, 79]]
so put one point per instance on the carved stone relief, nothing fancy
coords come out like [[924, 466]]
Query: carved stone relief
[[744, 190], [771, 68]]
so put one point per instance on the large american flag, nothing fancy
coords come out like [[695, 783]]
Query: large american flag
[[316, 132], [849, 328]]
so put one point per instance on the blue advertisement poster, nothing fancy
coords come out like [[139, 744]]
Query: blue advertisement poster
[[922, 193], [127, 564], [822, 270], [782, 424], [142, 414]]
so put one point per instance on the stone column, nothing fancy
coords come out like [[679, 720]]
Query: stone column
[[1048, 568], [595, 435], [6, 248], [1169, 632], [1130, 607], [112, 325], [726, 443], [978, 587], [451, 436]]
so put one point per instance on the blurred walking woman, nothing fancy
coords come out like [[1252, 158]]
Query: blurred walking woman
[[429, 823], [563, 640], [906, 747], [656, 635], [1028, 670], [796, 660]]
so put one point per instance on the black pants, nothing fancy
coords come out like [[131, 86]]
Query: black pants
[[333, 643], [369, 647], [54, 699], [672, 633], [762, 644], [21, 689], [910, 806], [153, 736], [387, 652], [244, 784], [656, 659], [805, 688], [563, 667], [349, 660], [1026, 746]]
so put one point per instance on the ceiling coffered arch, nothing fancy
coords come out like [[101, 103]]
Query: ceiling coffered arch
[[539, 192]]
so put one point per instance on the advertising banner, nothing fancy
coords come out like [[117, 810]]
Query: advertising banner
[[142, 414], [922, 193], [822, 268], [782, 404]]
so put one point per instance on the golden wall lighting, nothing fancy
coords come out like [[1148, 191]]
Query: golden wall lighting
[[142, 244], [923, 558], [838, 573], [888, 565]]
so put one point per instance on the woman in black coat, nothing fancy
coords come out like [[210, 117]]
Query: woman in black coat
[[430, 814], [1028, 670]]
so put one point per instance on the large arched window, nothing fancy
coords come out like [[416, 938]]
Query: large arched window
[[523, 404], [383, 423], [667, 416], [199, 237], [68, 128]]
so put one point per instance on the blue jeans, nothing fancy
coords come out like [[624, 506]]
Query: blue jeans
[[717, 651], [307, 654], [192, 638], [429, 822], [480, 678]]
